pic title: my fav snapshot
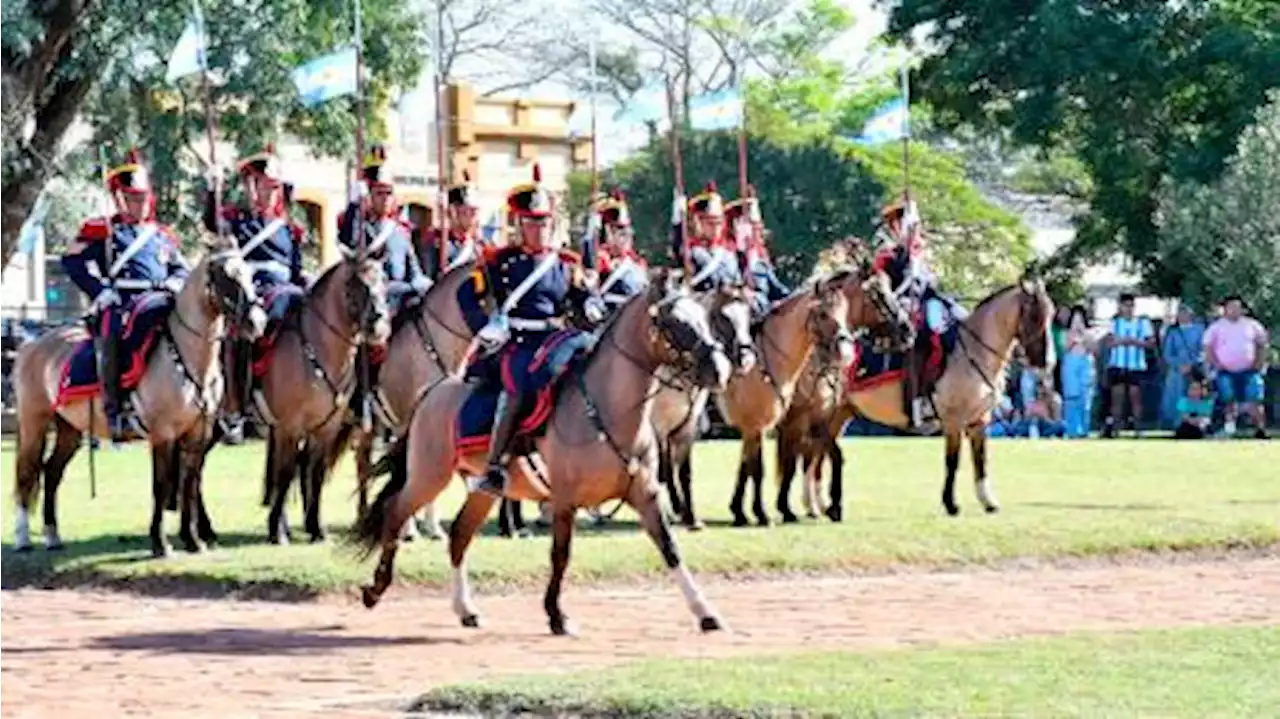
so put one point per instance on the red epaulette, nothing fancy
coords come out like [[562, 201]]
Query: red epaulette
[[230, 212], [298, 232], [571, 256], [489, 254], [95, 229]]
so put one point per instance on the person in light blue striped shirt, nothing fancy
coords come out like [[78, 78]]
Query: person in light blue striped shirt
[[1126, 351]]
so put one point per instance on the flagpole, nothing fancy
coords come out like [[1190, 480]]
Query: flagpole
[[442, 165], [906, 136], [679, 170], [208, 114], [742, 148], [359, 38], [595, 171]]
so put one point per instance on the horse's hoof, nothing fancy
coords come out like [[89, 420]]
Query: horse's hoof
[[763, 520], [696, 525], [562, 627], [812, 514], [369, 597], [408, 537], [740, 520], [160, 551], [524, 533], [787, 518], [55, 547], [993, 509], [952, 509], [835, 514], [471, 621], [710, 624], [193, 547], [318, 537], [23, 548]]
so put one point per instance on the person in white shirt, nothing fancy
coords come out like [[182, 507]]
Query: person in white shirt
[[1126, 346]]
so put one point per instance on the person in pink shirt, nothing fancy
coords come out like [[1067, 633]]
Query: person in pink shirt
[[1236, 347]]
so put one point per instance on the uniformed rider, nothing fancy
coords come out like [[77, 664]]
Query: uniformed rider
[[464, 243], [130, 254], [386, 234], [903, 255], [516, 303], [710, 253], [272, 246], [747, 225], [609, 250]]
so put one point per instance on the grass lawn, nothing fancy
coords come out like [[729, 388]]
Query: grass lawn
[[1061, 499], [1184, 673]]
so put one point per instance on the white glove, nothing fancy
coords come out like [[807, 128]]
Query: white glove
[[173, 284], [106, 298], [421, 284], [594, 310], [359, 190], [495, 334], [678, 205]]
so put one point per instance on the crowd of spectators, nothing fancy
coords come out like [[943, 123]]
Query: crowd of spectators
[[1208, 379]]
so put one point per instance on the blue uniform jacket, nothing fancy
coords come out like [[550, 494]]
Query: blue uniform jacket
[[458, 241], [151, 264], [503, 270], [277, 259], [621, 277], [399, 260]]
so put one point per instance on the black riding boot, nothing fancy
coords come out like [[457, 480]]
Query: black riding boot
[[910, 387], [238, 384], [109, 371], [506, 422]]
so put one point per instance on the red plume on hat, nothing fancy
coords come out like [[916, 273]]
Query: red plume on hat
[[131, 175], [530, 200]]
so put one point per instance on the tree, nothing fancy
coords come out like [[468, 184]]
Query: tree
[[116, 74], [1224, 238], [1138, 91]]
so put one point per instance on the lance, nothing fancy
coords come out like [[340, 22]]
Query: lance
[[366, 413], [678, 166], [595, 168], [442, 164]]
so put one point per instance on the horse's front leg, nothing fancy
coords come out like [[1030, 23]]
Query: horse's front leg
[[469, 520], [835, 511], [190, 468], [978, 446], [316, 471], [740, 490], [788, 441], [644, 500], [952, 463], [163, 466], [691, 519], [284, 455], [561, 539], [65, 447], [754, 450]]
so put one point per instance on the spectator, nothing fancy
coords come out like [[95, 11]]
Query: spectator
[[1236, 348], [1028, 387], [1006, 421], [1195, 409], [1078, 380], [1183, 353], [1079, 321], [1044, 413], [1127, 343], [1058, 332]]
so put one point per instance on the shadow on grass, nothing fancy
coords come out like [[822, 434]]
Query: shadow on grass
[[1102, 507], [255, 642]]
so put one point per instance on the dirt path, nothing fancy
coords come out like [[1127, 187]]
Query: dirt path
[[83, 654]]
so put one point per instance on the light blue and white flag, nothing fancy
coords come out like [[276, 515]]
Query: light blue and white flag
[[327, 77], [890, 122], [716, 110], [490, 229], [32, 233], [647, 105], [188, 55]]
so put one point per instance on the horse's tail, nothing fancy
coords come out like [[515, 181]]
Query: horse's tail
[[368, 530]]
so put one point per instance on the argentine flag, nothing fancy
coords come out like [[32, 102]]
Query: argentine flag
[[327, 77], [891, 122], [188, 55], [490, 230], [716, 110]]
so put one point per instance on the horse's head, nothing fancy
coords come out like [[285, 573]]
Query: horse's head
[[1035, 310], [365, 298], [729, 313], [231, 292], [679, 335], [872, 302], [828, 321]]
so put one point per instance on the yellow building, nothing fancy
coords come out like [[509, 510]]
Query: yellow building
[[496, 140]]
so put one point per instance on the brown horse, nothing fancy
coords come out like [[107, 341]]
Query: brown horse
[[815, 319], [964, 396], [308, 383], [599, 445], [678, 408], [177, 398]]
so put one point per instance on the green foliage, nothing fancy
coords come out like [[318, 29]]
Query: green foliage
[[1224, 237], [1137, 90], [811, 194]]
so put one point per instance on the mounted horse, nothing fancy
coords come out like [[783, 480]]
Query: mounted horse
[[172, 344], [968, 384], [598, 445]]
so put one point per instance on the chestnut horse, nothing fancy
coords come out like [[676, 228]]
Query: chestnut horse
[[177, 396], [964, 396], [308, 383], [599, 445]]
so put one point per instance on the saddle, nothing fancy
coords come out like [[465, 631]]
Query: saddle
[[142, 326], [263, 349], [476, 416]]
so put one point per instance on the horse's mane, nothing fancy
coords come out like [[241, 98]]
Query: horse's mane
[[322, 281], [994, 296]]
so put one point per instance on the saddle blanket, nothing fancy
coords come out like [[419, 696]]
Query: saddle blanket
[[871, 367], [528, 369], [291, 298], [79, 378]]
